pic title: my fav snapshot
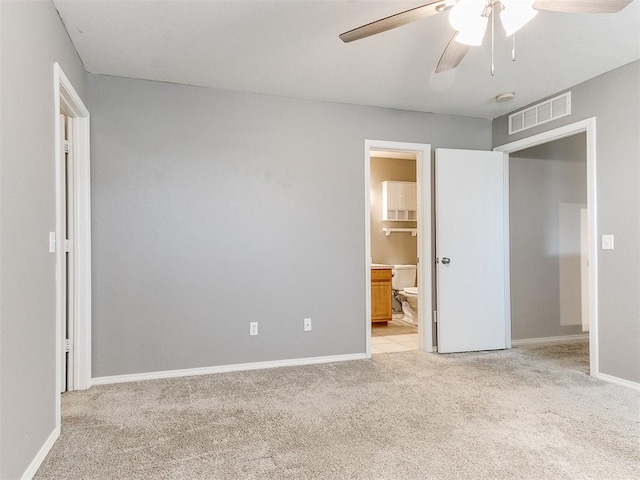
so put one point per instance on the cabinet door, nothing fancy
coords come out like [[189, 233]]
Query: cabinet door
[[381, 295], [408, 196], [393, 195], [390, 200]]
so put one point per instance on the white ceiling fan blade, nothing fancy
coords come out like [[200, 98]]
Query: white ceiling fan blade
[[397, 20], [452, 55], [581, 6]]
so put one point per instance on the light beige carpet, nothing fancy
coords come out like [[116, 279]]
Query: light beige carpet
[[525, 413]]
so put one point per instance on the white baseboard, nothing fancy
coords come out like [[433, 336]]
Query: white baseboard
[[618, 381], [42, 453], [581, 337], [189, 372]]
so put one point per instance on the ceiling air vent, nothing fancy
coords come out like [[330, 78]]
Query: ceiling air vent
[[543, 112]]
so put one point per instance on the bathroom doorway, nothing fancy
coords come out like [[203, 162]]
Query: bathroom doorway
[[398, 235], [394, 247]]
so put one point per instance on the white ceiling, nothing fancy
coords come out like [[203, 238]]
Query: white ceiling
[[291, 48]]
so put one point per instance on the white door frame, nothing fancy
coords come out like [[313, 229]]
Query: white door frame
[[67, 100], [425, 255], [588, 127]]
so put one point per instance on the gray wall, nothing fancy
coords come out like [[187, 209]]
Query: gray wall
[[32, 38], [397, 248], [212, 209], [614, 99], [542, 180]]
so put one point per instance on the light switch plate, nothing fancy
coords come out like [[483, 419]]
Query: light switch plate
[[52, 242], [607, 242]]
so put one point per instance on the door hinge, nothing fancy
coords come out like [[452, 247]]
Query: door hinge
[[68, 245], [67, 146], [435, 316], [68, 345]]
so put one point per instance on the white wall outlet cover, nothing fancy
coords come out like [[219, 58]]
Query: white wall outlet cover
[[307, 324], [253, 328], [607, 242]]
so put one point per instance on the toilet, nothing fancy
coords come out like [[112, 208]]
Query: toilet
[[403, 283]]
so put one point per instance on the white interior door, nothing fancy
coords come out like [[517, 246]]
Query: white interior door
[[69, 250], [470, 246], [67, 278], [63, 266]]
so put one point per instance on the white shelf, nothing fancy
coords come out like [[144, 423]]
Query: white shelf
[[400, 215], [388, 231]]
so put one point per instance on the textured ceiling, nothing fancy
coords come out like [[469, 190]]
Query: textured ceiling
[[292, 49]]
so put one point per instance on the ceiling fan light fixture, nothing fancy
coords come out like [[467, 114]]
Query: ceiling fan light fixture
[[516, 14], [467, 18], [473, 35]]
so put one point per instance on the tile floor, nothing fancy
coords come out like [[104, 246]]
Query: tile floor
[[396, 336]]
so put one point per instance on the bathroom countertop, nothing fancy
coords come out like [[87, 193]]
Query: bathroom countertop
[[380, 266]]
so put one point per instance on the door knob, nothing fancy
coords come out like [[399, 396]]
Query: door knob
[[446, 260]]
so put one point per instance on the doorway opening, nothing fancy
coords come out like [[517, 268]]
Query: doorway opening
[[72, 245], [398, 247], [394, 252], [552, 244]]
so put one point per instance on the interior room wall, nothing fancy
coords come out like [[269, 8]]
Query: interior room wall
[[212, 209], [397, 248], [32, 38], [546, 184], [614, 99]]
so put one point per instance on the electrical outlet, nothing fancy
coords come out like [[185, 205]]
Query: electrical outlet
[[607, 242], [307, 324], [253, 328]]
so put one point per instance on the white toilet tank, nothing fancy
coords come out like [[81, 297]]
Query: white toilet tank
[[403, 276]]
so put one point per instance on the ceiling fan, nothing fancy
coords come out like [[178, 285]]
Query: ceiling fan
[[469, 18]]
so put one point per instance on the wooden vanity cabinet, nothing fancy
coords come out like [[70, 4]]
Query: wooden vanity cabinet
[[380, 295]]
